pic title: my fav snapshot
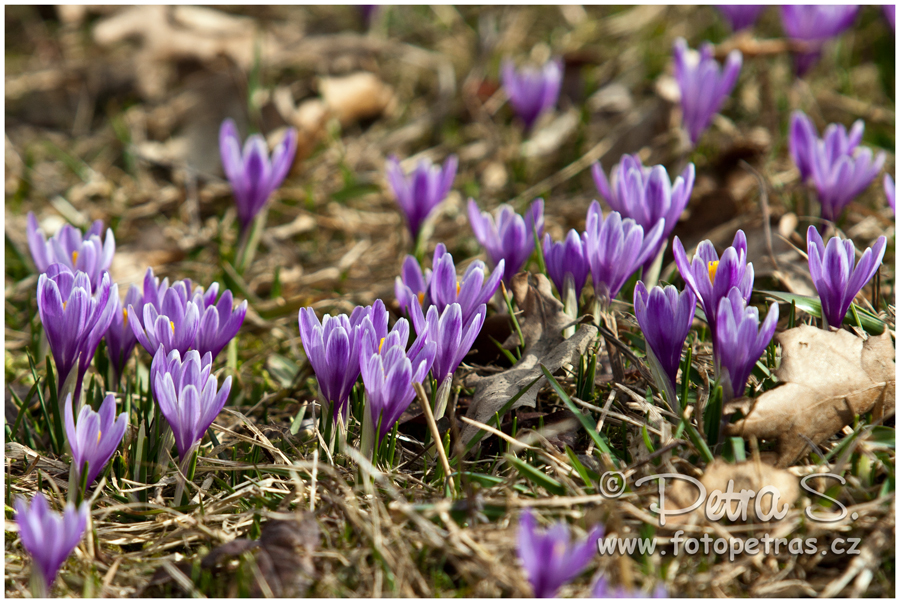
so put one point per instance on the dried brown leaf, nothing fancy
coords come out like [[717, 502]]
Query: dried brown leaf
[[828, 377], [542, 322]]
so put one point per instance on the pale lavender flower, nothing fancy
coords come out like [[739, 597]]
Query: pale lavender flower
[[740, 15], [189, 396], [645, 194], [549, 557], [412, 286], [615, 248], [77, 252], [219, 321], [703, 84], [96, 436], [422, 191], [567, 263], [665, 318], [711, 278], [739, 341], [75, 318], [172, 321], [889, 191], [814, 25], [532, 91], [510, 237], [252, 176], [49, 537], [453, 337], [832, 269], [120, 339], [389, 371]]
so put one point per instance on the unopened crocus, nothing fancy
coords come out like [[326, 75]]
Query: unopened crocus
[[665, 318], [740, 16], [219, 320], [77, 252], [96, 436], [833, 273], [507, 235], [119, 337], [889, 191], [389, 371], [75, 318], [703, 84], [615, 248], [189, 396], [549, 557], [419, 193], [567, 264], [333, 347], [645, 194], [49, 537], [739, 341], [173, 323], [252, 176], [453, 336], [532, 91], [711, 278], [602, 590], [814, 25]]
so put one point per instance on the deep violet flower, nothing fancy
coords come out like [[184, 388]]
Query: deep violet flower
[[172, 323], [803, 142], [252, 176], [506, 235], [703, 84], [740, 15], [453, 337], [120, 339], [814, 25], [219, 320], [890, 13], [739, 341], [549, 557], [419, 193], [832, 269], [567, 263], [532, 91], [49, 537], [96, 436], [711, 278], [70, 248]]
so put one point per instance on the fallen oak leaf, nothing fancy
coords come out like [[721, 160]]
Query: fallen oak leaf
[[542, 322], [828, 378]]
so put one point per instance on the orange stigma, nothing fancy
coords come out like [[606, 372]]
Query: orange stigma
[[172, 324], [125, 315], [713, 266], [421, 297], [380, 343], [74, 257]]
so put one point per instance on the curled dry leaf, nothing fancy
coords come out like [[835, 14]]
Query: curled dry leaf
[[828, 377], [542, 322]]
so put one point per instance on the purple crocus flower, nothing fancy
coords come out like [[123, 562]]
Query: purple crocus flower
[[511, 237], [602, 590], [645, 194], [442, 287], [252, 176], [172, 322], [219, 322], [889, 191], [665, 318], [711, 278], [72, 249], [420, 192], [567, 263], [453, 337], [333, 347], [615, 248], [532, 91], [832, 269], [814, 25], [75, 318], [803, 142], [96, 436], [740, 15], [389, 371], [49, 537], [703, 84], [120, 339], [740, 341], [549, 557], [189, 396]]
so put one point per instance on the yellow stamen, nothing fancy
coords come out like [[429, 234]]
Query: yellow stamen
[[125, 315], [98, 436], [457, 287], [713, 266], [421, 297], [64, 306], [172, 324], [380, 343], [74, 257]]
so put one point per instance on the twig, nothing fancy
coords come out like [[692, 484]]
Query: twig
[[432, 425]]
